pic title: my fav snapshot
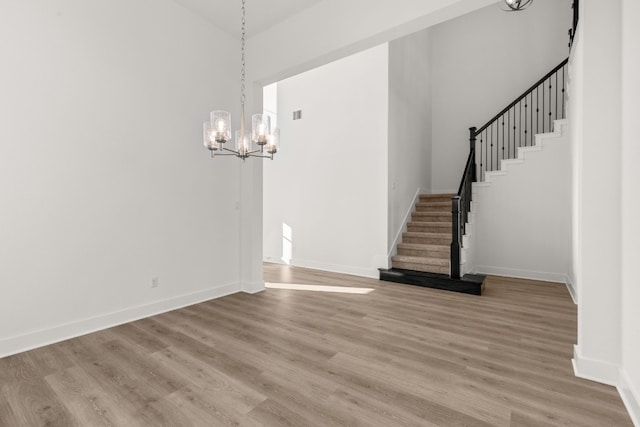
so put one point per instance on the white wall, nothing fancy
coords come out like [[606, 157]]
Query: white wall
[[329, 183], [527, 236], [333, 29], [302, 43], [104, 182], [630, 376], [598, 352], [409, 127], [481, 62], [575, 115]]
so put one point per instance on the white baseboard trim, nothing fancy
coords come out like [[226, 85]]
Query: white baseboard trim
[[521, 274], [372, 273], [594, 370], [571, 289], [252, 288], [630, 397], [43, 337]]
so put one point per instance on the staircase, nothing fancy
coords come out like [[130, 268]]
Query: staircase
[[431, 252], [426, 245], [423, 257]]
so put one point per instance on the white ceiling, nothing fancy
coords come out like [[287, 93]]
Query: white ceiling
[[261, 14]]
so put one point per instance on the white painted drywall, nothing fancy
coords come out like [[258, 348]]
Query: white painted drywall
[[575, 116], [481, 62], [104, 182], [329, 183], [630, 227], [599, 349], [522, 220], [330, 30], [409, 126], [333, 29]]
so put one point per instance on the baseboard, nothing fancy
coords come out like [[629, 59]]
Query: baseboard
[[521, 274], [630, 396], [43, 337], [337, 268], [594, 370], [571, 289], [253, 288]]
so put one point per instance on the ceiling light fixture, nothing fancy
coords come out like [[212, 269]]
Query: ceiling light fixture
[[516, 5], [218, 131]]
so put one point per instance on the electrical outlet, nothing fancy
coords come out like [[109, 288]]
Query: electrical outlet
[[155, 282]]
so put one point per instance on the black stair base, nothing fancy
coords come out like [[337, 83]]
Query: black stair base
[[469, 284]]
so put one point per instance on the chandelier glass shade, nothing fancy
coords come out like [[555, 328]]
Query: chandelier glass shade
[[218, 133], [516, 5]]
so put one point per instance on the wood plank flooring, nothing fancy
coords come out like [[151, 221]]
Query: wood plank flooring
[[336, 356]]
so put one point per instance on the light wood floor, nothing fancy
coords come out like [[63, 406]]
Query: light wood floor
[[397, 356]]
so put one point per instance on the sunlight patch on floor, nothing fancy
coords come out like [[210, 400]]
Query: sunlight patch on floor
[[319, 288]]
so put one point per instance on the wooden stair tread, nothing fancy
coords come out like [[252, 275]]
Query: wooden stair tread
[[421, 266], [443, 204], [424, 246], [436, 196], [429, 223], [429, 227], [420, 260], [424, 250], [423, 234], [433, 214]]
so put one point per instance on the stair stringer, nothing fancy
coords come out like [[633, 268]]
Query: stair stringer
[[407, 218], [524, 237]]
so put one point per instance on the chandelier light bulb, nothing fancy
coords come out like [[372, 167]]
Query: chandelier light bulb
[[209, 136], [273, 142], [261, 126]]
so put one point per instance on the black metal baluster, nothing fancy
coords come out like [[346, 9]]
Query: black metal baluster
[[486, 163], [563, 96], [526, 105], [544, 109], [550, 116], [514, 134], [556, 96], [537, 110], [497, 164], [481, 138], [513, 145], [508, 135], [519, 131]]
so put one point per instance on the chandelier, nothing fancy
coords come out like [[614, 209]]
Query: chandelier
[[217, 132], [516, 5]]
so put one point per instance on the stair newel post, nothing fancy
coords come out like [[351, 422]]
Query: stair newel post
[[455, 237], [472, 148]]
